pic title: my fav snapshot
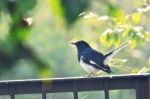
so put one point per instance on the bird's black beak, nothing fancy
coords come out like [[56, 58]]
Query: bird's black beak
[[73, 43]]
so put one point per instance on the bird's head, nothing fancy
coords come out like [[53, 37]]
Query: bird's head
[[81, 45]]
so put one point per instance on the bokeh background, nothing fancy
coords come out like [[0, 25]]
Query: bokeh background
[[35, 38]]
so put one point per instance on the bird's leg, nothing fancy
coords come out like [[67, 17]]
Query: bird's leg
[[90, 74], [94, 74]]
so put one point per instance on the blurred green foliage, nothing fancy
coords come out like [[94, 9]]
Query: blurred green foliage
[[69, 9], [13, 48], [22, 23], [35, 37]]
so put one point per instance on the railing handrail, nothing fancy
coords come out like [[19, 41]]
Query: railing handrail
[[141, 83], [81, 77]]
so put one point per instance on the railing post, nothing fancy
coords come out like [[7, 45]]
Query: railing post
[[106, 94], [75, 91], [149, 87], [43, 95], [43, 90], [11, 91], [106, 90], [142, 88], [75, 95], [12, 96]]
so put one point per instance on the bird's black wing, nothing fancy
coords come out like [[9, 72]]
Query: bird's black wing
[[94, 58]]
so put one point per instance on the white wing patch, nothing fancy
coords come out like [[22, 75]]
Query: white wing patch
[[92, 62], [87, 67]]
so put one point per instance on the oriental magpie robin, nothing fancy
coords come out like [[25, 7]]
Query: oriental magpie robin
[[93, 61]]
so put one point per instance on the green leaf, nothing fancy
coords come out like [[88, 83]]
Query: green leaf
[[26, 5], [107, 38], [20, 7], [72, 9], [69, 9], [125, 32], [117, 39], [45, 72], [115, 11]]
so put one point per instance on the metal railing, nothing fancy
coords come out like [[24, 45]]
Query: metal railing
[[139, 83]]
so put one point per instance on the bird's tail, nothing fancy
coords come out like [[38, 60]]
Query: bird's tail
[[117, 49], [108, 70]]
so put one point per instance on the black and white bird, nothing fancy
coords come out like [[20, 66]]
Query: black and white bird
[[93, 61]]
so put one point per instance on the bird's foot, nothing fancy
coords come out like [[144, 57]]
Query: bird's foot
[[110, 76]]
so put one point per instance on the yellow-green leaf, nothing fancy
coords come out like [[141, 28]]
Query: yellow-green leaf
[[136, 17], [106, 39], [117, 42], [133, 43], [125, 32], [103, 39], [143, 70], [55, 5]]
